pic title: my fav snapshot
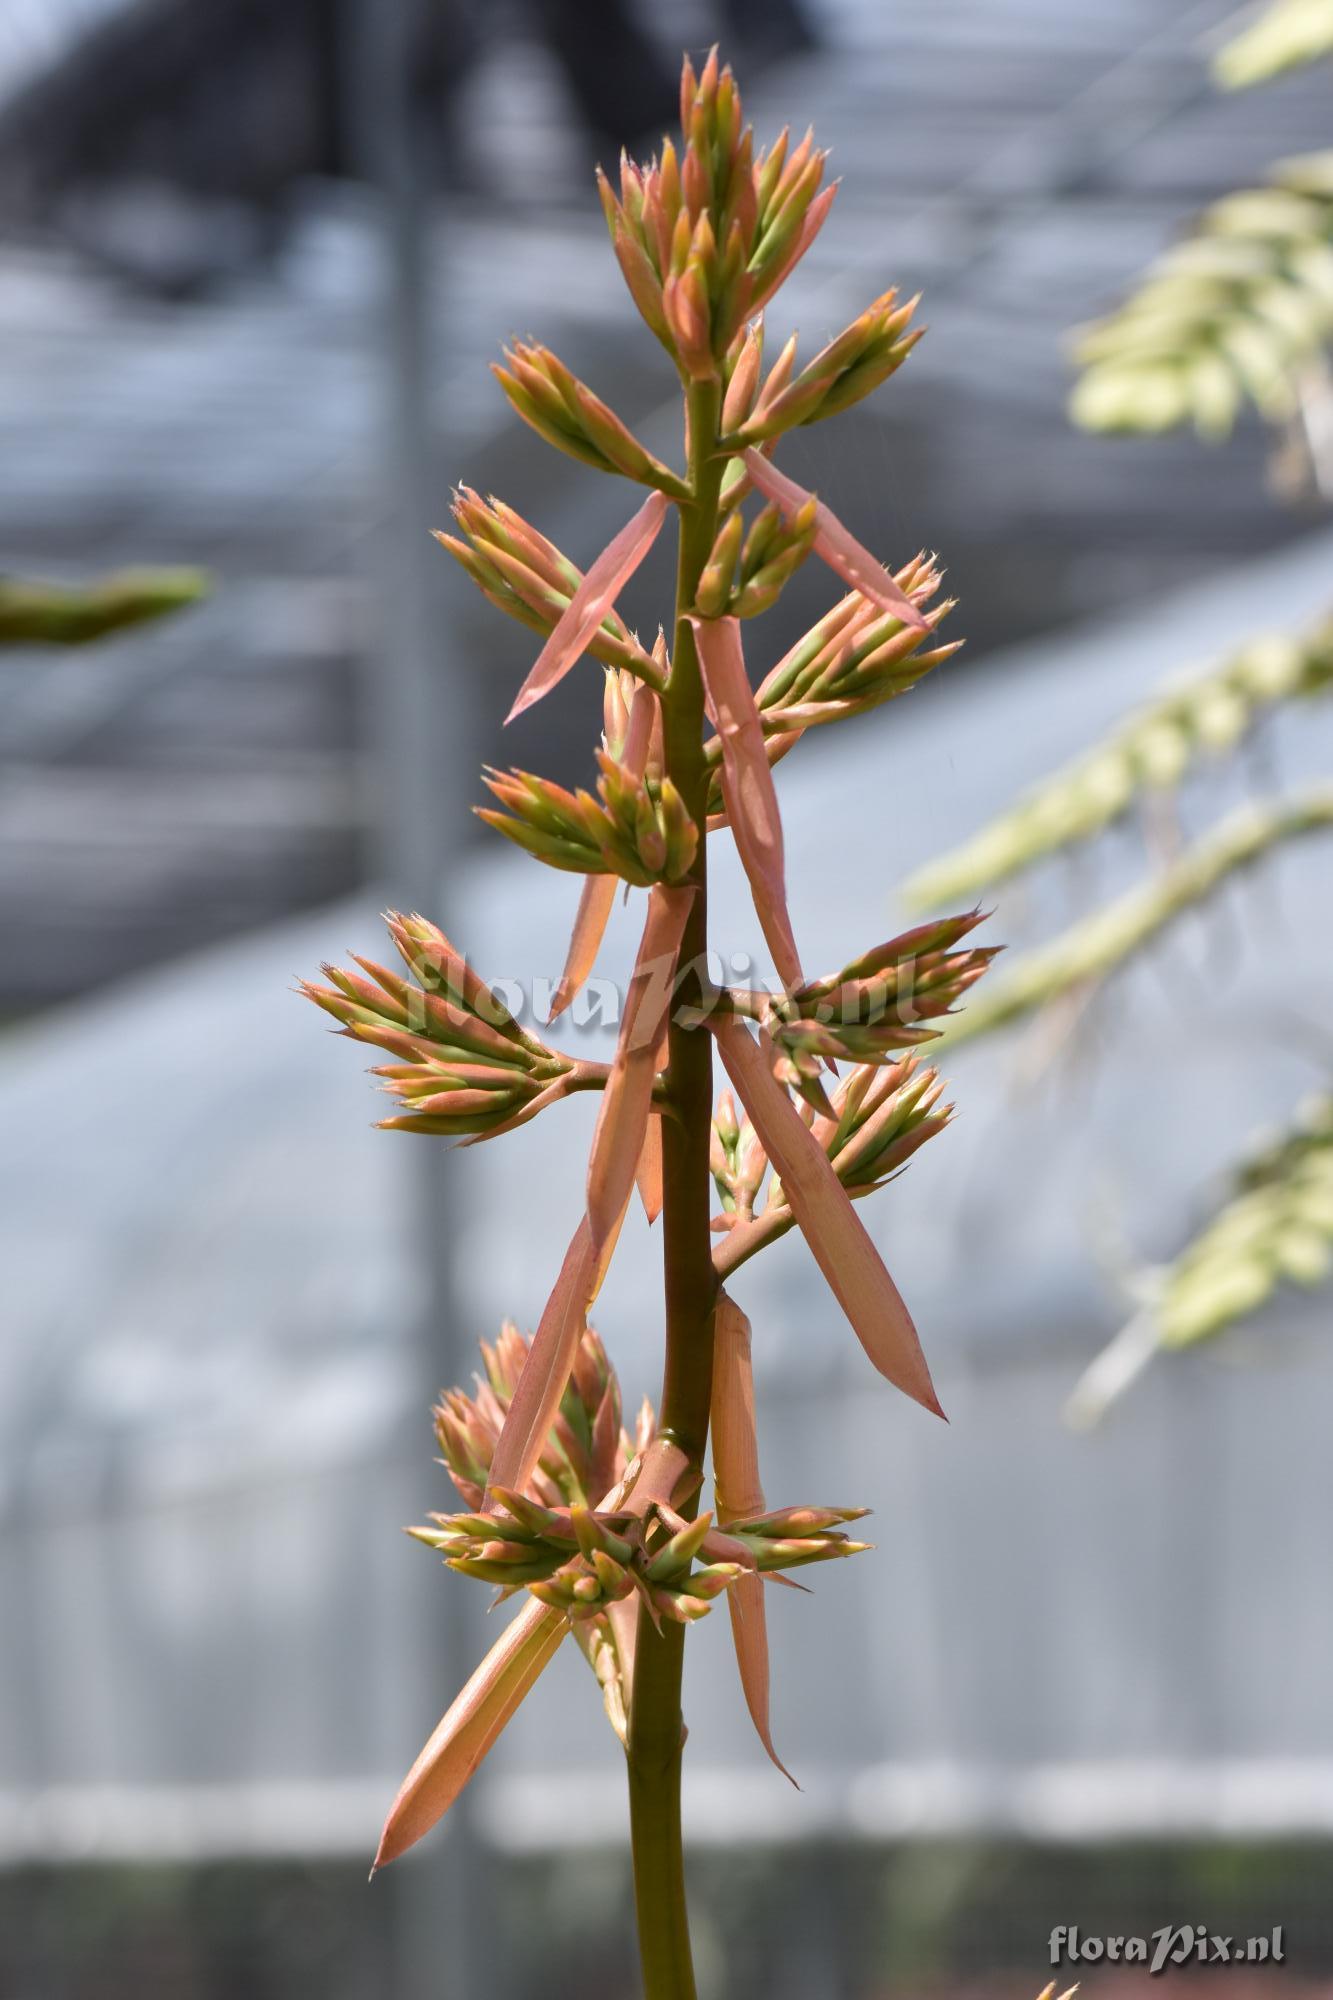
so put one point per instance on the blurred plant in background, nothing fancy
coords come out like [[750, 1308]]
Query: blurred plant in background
[[1240, 312], [56, 614], [596, 1530]]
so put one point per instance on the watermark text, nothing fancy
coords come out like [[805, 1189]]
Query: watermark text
[[1173, 1944]]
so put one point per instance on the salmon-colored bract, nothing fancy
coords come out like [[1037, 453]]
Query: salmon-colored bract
[[835, 543], [590, 603], [747, 786]]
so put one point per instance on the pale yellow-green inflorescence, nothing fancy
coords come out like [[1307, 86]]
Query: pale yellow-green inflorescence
[[1238, 313], [1286, 35], [1151, 752]]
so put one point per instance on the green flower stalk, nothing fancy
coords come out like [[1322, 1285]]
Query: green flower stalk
[[598, 1535]]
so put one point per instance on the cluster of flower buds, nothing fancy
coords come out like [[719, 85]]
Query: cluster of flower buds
[[464, 1066], [856, 657], [586, 1449], [879, 1116], [747, 571], [882, 1002], [581, 1560], [882, 1115], [585, 1455], [749, 393], [580, 1537], [851, 366], [705, 237], [636, 829], [523, 573], [736, 1159], [618, 691], [568, 415], [795, 1536]]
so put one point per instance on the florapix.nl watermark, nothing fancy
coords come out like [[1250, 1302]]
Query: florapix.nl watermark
[[1172, 1945]]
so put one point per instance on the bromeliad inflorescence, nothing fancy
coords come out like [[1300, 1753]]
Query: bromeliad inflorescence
[[597, 1531]]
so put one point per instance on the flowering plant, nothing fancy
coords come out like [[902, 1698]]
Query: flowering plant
[[598, 1529]]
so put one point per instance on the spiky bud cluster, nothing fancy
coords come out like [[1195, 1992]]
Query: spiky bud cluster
[[880, 1116], [747, 572], [705, 236], [1150, 752], [881, 1003], [635, 829], [736, 1159], [525, 575], [568, 415], [792, 1537], [464, 1066], [586, 1449], [856, 657], [851, 366], [618, 690], [555, 1540], [585, 1454], [581, 1560]]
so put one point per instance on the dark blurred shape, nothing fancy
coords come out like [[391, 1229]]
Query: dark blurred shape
[[625, 84], [956, 1920], [165, 138], [619, 80], [766, 30]]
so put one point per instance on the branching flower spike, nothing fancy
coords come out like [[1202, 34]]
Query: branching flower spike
[[599, 1534]]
